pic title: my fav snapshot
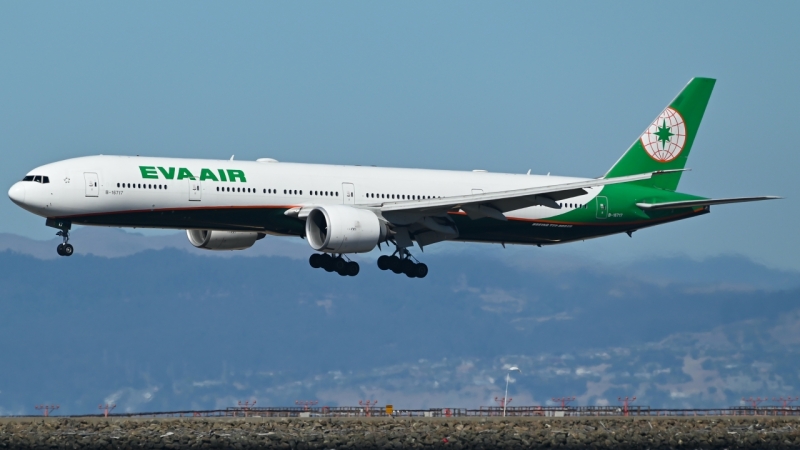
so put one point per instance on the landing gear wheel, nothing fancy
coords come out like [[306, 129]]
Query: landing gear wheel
[[352, 268], [326, 262], [421, 271], [339, 264], [64, 249], [315, 260], [383, 262], [395, 264], [409, 268]]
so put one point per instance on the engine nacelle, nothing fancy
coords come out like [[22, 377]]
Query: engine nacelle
[[223, 240], [343, 229]]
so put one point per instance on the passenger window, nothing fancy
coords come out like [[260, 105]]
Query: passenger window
[[117, 184]]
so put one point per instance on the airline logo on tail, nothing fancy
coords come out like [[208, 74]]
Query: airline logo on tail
[[665, 138]]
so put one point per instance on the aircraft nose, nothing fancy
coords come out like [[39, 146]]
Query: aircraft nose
[[17, 193]]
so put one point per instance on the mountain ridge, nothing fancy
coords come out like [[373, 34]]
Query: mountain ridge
[[164, 329]]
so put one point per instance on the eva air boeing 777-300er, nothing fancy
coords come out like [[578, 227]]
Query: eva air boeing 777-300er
[[340, 210]]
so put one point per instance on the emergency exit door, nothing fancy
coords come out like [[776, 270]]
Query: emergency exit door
[[92, 184]]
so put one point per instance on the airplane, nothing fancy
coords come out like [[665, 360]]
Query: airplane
[[343, 210]]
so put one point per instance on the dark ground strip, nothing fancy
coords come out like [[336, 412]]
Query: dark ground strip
[[387, 433]]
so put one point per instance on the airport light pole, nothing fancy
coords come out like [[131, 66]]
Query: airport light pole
[[508, 376], [47, 409]]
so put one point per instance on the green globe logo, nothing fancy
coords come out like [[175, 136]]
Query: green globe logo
[[665, 137]]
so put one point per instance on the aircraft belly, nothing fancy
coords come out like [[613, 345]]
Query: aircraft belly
[[550, 232], [270, 220]]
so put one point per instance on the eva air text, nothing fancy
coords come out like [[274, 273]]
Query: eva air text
[[182, 173]]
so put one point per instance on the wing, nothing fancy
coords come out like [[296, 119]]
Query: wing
[[705, 202], [494, 204]]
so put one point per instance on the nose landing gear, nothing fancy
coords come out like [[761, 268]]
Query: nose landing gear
[[65, 248], [403, 264], [336, 264]]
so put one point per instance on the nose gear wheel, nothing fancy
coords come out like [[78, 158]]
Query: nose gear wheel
[[65, 248]]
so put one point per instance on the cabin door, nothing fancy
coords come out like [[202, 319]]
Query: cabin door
[[92, 184], [348, 194], [602, 207], [195, 190]]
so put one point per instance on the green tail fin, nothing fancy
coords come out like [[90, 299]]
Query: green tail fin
[[666, 143]]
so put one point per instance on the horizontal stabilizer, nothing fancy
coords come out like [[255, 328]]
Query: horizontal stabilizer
[[706, 202]]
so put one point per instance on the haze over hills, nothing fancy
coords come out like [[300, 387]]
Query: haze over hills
[[150, 324]]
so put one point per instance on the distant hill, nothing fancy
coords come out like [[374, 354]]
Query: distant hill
[[155, 329]]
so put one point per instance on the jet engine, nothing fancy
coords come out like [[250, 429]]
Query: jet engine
[[223, 240], [344, 229]]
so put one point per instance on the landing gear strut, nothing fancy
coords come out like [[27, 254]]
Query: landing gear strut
[[336, 264], [401, 262], [65, 248]]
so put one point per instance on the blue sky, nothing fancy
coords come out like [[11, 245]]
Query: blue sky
[[559, 87]]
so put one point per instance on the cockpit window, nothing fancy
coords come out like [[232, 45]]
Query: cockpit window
[[37, 179]]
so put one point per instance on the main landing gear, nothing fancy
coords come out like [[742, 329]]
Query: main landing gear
[[403, 264], [65, 248], [332, 263]]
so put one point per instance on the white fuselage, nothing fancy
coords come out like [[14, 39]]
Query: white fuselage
[[97, 185]]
